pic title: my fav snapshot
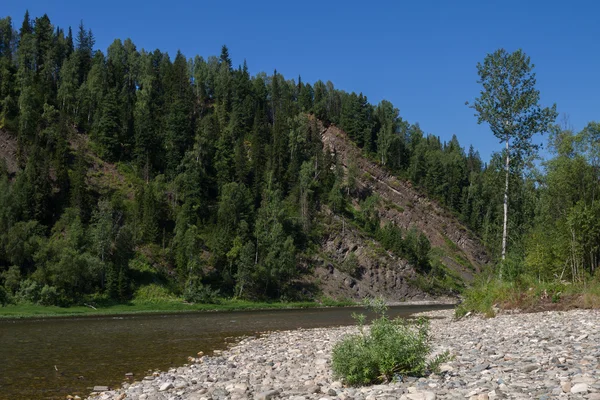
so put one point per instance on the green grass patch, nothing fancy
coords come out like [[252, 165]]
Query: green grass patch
[[528, 294], [393, 206], [457, 254], [451, 245], [439, 280], [158, 306]]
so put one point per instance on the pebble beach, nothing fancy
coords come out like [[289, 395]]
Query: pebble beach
[[542, 355]]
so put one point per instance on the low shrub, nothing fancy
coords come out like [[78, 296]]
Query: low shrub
[[152, 293], [29, 292], [390, 349], [196, 292], [350, 265], [49, 296]]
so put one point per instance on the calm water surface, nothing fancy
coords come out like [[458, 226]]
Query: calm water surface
[[51, 358]]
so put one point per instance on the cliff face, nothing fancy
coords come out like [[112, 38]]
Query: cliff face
[[373, 272], [405, 206]]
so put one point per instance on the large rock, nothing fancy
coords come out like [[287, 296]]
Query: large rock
[[579, 388]]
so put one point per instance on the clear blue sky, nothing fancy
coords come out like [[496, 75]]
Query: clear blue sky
[[420, 55]]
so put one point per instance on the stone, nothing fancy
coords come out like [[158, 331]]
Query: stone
[[579, 388], [100, 389], [530, 367], [429, 395], [165, 386], [313, 389], [481, 367], [421, 396], [266, 395], [241, 387], [511, 356]]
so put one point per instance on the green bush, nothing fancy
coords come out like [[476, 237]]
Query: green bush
[[196, 292], [350, 265], [49, 296], [392, 348], [29, 292], [153, 292]]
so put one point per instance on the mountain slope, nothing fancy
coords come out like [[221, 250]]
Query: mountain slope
[[407, 207]]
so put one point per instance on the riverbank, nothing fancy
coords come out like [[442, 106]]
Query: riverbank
[[528, 294], [518, 356], [156, 307], [169, 307]]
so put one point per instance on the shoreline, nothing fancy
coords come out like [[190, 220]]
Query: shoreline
[[13, 312], [518, 356]]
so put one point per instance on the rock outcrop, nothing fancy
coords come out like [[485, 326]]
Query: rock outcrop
[[407, 207]]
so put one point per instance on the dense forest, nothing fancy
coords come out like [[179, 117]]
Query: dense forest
[[131, 163]]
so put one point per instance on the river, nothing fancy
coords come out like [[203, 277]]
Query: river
[[51, 358]]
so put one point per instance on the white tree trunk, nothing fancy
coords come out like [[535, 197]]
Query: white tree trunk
[[504, 229]]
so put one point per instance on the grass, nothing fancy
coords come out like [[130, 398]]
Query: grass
[[527, 294], [457, 254], [158, 307], [439, 281], [393, 206]]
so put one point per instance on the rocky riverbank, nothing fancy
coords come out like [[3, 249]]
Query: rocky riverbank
[[517, 356]]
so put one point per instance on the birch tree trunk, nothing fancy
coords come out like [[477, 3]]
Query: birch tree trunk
[[504, 229]]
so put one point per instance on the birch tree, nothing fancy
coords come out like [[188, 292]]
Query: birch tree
[[509, 104]]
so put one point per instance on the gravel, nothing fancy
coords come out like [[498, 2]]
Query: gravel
[[512, 356]]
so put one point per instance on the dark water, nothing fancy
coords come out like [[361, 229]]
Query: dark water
[[51, 358]]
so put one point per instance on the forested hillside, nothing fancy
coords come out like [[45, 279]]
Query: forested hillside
[[134, 173]]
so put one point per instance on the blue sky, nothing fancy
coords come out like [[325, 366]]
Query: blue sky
[[420, 55]]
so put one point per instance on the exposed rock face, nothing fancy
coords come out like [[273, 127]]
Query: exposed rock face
[[8, 151], [411, 208], [379, 273]]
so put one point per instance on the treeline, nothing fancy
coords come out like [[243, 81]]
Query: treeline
[[224, 173], [228, 169]]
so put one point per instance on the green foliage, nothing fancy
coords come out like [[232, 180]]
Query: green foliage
[[489, 292], [196, 292], [221, 175], [509, 104], [369, 213], [350, 265], [275, 252], [4, 297], [414, 246], [12, 279], [29, 291], [49, 296], [336, 198], [389, 350], [153, 293]]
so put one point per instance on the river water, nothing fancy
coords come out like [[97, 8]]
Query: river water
[[51, 358]]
